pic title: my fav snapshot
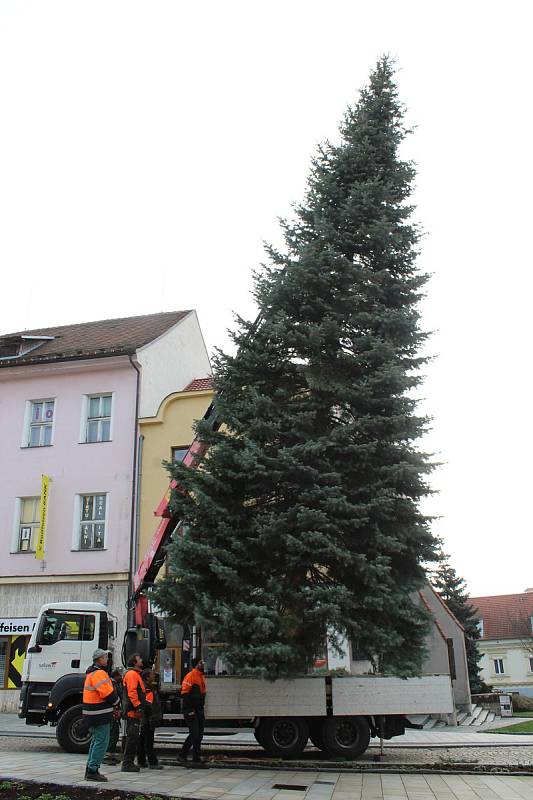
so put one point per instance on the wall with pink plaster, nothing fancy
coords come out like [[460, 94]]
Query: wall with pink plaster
[[74, 467]]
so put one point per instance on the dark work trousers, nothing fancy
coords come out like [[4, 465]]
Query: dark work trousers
[[195, 722], [114, 737], [133, 730], [145, 751]]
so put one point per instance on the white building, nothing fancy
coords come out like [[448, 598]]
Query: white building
[[506, 627]]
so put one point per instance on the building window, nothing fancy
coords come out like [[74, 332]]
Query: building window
[[41, 423], [530, 664], [28, 524], [92, 521], [12, 652], [499, 666], [98, 418], [179, 453]]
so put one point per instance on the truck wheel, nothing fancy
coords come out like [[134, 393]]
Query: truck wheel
[[258, 737], [345, 736], [284, 737], [71, 733], [316, 735]]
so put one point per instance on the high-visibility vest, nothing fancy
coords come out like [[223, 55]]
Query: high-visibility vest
[[135, 694], [99, 697], [193, 678]]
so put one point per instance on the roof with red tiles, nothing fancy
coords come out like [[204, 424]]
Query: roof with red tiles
[[199, 384], [505, 616], [107, 337]]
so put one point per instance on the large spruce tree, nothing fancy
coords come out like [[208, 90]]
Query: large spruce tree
[[303, 521], [454, 592]]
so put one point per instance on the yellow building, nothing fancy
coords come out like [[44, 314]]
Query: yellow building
[[166, 437]]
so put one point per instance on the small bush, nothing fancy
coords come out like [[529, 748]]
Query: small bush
[[522, 703]]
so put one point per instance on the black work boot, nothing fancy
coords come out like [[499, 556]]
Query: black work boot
[[95, 776], [130, 768]]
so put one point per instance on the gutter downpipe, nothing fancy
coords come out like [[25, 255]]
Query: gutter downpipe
[[134, 486]]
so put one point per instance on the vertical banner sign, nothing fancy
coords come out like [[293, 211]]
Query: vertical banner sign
[[43, 515]]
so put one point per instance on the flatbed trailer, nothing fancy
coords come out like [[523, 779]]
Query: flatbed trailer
[[338, 714]]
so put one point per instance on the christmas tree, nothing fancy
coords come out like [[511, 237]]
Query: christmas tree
[[454, 592], [303, 521]]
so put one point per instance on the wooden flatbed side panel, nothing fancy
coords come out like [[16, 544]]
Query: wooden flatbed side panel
[[244, 698], [431, 694]]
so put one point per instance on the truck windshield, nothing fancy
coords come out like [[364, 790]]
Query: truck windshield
[[57, 626]]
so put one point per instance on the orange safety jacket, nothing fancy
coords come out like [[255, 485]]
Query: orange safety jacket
[[135, 695], [99, 696], [193, 691]]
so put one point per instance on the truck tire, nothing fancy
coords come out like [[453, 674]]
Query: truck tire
[[70, 732], [258, 737], [316, 735], [283, 737], [345, 736]]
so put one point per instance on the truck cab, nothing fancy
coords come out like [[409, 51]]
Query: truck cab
[[60, 650]]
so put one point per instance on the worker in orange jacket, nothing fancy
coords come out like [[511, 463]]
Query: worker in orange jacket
[[99, 702], [193, 692], [134, 705]]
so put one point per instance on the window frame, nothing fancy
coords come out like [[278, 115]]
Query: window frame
[[79, 521], [79, 618], [29, 424], [99, 419], [178, 447], [86, 419], [34, 525], [530, 661], [495, 663]]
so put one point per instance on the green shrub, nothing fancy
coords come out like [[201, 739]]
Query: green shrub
[[522, 703]]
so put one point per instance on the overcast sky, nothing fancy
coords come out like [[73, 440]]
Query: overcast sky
[[147, 149]]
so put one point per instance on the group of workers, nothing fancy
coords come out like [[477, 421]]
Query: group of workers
[[108, 698]]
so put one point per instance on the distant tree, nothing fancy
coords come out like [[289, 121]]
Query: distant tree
[[303, 520], [453, 591]]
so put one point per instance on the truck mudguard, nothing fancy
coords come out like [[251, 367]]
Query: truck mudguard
[[67, 685]]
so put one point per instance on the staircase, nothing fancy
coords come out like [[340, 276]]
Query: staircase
[[477, 716]]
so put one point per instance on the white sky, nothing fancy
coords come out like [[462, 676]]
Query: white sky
[[147, 148]]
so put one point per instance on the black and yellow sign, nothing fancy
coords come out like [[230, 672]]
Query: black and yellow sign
[[17, 653]]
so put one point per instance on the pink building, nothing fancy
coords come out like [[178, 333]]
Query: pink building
[[70, 400]]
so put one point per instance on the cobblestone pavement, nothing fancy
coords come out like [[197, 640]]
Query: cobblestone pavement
[[464, 756]]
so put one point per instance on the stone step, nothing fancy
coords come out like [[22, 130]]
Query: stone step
[[482, 717]]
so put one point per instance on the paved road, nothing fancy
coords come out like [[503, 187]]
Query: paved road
[[238, 784], [11, 725]]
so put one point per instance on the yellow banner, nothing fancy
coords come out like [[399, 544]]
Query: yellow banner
[[43, 515]]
